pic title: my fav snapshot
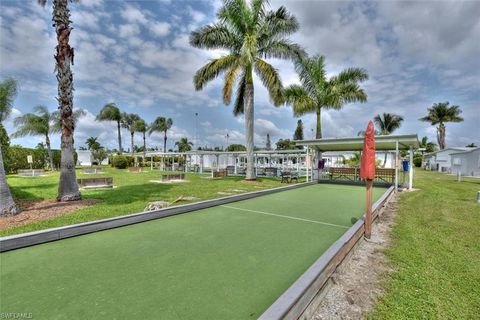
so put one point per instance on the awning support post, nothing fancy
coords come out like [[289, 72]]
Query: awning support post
[[410, 173], [396, 166], [306, 162]]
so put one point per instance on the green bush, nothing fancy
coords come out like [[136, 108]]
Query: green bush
[[17, 159], [417, 160], [120, 162]]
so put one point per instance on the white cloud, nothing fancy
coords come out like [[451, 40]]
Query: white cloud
[[160, 29]]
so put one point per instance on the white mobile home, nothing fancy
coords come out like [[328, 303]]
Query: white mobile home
[[467, 163], [441, 160]]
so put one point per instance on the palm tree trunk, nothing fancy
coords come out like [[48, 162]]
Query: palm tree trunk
[[132, 142], [68, 187], [7, 205], [119, 138], [164, 141], [319, 124], [441, 136], [249, 118], [49, 151]]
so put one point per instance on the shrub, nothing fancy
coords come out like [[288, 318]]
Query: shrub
[[120, 162], [417, 160]]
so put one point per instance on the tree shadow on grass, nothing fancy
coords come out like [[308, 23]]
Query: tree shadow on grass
[[22, 192], [129, 194]]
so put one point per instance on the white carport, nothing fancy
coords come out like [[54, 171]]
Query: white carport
[[382, 143]]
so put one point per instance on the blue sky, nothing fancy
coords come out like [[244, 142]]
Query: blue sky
[[136, 53]]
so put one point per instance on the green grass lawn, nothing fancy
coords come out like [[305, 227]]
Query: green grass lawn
[[435, 252], [132, 193], [225, 262]]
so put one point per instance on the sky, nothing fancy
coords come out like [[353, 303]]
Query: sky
[[136, 54]]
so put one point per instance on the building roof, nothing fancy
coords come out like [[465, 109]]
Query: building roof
[[467, 151], [452, 150], [405, 141]]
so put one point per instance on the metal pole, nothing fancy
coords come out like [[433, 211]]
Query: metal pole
[[306, 161], [396, 165], [410, 173]]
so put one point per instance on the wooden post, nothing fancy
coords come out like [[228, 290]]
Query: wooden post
[[368, 210]]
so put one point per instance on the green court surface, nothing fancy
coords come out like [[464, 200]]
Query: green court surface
[[226, 262]]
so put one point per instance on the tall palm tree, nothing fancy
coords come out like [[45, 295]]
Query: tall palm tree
[[8, 91], [184, 145], [141, 126], [316, 92], [39, 123], [440, 113], [128, 122], [387, 124], [250, 33], [161, 124], [429, 146], [68, 187], [110, 112]]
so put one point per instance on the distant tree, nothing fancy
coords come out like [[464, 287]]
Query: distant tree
[[128, 122], [161, 124], [429, 146], [268, 145], [298, 135], [388, 123], [471, 145], [110, 112], [92, 143], [184, 145], [98, 155], [286, 144], [40, 123], [439, 114], [142, 127], [8, 92], [236, 147]]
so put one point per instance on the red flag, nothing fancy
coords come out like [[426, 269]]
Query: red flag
[[367, 166]]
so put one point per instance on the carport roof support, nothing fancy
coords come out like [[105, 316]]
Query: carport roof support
[[384, 143]]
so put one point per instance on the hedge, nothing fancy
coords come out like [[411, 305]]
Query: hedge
[[16, 158]]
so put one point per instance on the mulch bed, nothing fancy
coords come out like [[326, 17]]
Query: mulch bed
[[38, 210]]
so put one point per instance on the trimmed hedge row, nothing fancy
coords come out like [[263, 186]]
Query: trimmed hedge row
[[15, 158]]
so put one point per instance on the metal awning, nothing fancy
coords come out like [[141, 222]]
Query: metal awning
[[384, 143]]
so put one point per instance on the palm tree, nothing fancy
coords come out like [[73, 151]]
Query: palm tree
[[184, 145], [429, 146], [440, 113], [141, 126], [471, 145], [110, 112], [250, 34], [128, 122], [92, 143], [8, 91], [161, 124], [387, 123], [39, 123], [316, 92], [68, 187]]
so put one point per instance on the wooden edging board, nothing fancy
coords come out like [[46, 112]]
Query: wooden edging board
[[37, 237], [298, 300]]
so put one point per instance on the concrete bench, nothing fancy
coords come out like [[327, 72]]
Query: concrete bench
[[94, 170], [173, 176], [31, 172], [219, 174], [135, 169], [95, 183]]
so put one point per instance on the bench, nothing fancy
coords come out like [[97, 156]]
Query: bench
[[288, 176], [135, 169], [230, 169], [31, 172], [385, 174], [219, 174], [95, 183], [173, 176], [348, 173], [271, 172], [93, 170]]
